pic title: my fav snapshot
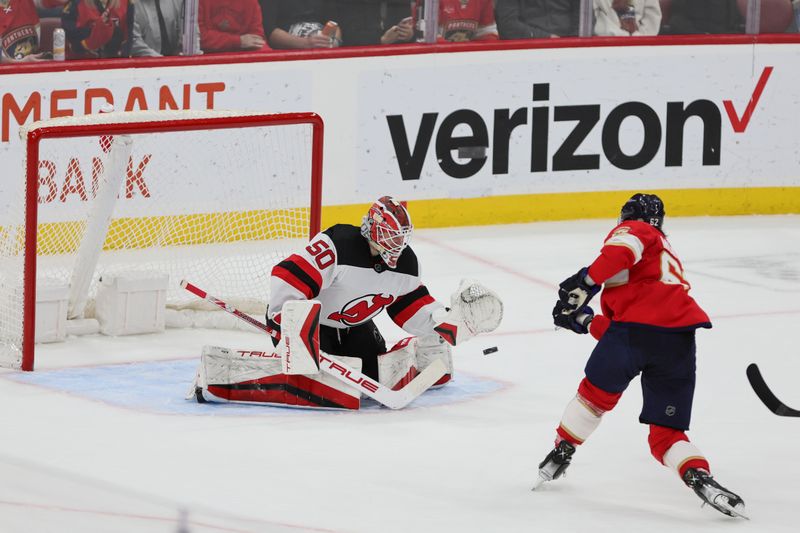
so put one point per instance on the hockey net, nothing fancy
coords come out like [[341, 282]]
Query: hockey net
[[214, 197]]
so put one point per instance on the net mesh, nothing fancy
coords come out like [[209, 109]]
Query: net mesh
[[218, 207]]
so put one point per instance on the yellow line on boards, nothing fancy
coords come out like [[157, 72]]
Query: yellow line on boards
[[144, 232], [580, 205]]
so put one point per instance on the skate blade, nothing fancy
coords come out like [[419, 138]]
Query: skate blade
[[725, 508], [739, 513], [539, 482]]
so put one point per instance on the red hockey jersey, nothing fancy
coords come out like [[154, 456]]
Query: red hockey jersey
[[644, 282], [19, 29], [463, 20], [467, 20], [93, 30]]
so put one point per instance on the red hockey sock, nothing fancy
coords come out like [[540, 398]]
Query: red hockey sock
[[598, 399], [672, 448], [582, 415], [662, 438]]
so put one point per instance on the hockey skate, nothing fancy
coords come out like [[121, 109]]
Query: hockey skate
[[555, 464], [713, 493]]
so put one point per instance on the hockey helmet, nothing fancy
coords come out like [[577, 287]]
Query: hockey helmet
[[645, 207], [387, 226]]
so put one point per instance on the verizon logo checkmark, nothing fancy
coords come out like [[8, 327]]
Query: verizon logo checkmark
[[740, 123]]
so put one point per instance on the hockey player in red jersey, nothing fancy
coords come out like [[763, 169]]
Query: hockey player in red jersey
[[647, 327]]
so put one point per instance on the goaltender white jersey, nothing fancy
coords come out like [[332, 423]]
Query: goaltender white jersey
[[338, 270]]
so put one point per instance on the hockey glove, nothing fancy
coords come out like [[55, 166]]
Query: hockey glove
[[575, 293], [577, 322], [473, 309]]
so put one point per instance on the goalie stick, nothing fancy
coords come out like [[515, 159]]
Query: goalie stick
[[765, 394], [393, 399]]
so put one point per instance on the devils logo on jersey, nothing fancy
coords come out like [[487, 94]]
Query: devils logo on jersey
[[361, 309]]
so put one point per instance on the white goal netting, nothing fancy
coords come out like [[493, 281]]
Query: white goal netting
[[217, 203]]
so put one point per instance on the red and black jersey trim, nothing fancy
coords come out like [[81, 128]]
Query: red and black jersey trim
[[298, 273], [448, 332], [406, 306]]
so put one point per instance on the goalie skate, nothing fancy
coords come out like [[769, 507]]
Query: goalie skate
[[199, 383], [714, 494]]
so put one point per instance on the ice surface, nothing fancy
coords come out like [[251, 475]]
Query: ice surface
[[98, 439]]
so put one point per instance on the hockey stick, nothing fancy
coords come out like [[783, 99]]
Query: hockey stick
[[200, 293], [393, 399], [765, 394]]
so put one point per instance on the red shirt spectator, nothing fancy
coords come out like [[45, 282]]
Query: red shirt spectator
[[19, 29], [231, 25], [467, 20], [98, 28]]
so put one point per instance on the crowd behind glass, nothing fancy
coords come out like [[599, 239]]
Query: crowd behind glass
[[43, 30]]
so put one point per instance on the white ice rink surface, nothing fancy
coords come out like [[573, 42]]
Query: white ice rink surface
[[98, 439]]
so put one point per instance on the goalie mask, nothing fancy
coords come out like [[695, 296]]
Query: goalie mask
[[645, 207], [387, 226]]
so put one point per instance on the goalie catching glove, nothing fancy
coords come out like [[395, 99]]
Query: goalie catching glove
[[473, 309]]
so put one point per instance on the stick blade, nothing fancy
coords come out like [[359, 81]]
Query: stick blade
[[760, 387], [765, 394], [422, 382]]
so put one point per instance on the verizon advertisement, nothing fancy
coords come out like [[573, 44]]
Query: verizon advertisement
[[587, 120], [463, 125]]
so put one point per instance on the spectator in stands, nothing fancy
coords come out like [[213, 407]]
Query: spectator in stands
[[231, 25], [298, 23], [50, 8], [538, 19], [795, 26], [623, 18], [467, 20], [98, 28], [369, 22], [158, 28], [708, 16], [19, 31]]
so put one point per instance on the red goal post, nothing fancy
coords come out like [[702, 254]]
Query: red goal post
[[224, 193]]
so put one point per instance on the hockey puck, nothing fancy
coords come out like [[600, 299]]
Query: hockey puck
[[487, 351]]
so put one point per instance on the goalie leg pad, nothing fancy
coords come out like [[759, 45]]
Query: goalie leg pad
[[299, 344], [430, 348], [412, 355], [398, 366], [249, 376]]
